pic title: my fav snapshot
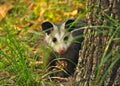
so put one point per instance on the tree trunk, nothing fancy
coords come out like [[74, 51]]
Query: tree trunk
[[99, 61]]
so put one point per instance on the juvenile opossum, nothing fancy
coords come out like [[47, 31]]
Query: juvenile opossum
[[65, 40]]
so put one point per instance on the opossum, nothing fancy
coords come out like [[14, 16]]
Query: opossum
[[65, 40]]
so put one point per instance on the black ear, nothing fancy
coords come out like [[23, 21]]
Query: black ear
[[69, 24], [47, 27]]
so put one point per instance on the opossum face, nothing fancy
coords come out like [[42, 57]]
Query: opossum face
[[59, 37]]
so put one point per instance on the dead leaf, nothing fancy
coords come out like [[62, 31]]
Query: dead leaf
[[4, 9], [72, 13]]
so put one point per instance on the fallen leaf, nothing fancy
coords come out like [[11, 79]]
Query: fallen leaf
[[4, 9], [72, 13]]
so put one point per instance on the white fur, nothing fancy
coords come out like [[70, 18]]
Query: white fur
[[59, 34]]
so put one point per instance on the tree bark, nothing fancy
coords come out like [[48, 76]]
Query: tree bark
[[99, 61]]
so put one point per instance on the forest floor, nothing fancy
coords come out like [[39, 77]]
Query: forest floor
[[22, 50]]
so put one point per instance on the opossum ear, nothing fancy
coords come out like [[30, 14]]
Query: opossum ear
[[69, 24], [47, 27]]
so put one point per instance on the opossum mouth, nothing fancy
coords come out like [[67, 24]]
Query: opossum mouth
[[61, 52]]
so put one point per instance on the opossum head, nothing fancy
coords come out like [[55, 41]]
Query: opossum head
[[58, 37]]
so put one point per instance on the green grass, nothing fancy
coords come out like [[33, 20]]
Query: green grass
[[15, 53], [106, 57], [18, 58], [15, 50]]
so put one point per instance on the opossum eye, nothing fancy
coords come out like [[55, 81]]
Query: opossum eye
[[65, 38], [54, 40]]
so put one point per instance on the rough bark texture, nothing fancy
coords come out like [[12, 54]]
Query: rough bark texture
[[96, 42]]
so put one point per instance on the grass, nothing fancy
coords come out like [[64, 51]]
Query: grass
[[15, 55], [15, 51], [106, 58], [19, 60]]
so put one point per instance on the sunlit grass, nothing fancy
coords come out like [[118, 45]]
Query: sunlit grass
[[15, 53]]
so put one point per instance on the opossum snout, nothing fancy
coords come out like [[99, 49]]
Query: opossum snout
[[61, 50]]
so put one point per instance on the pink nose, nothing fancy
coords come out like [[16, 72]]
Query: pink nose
[[62, 50]]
